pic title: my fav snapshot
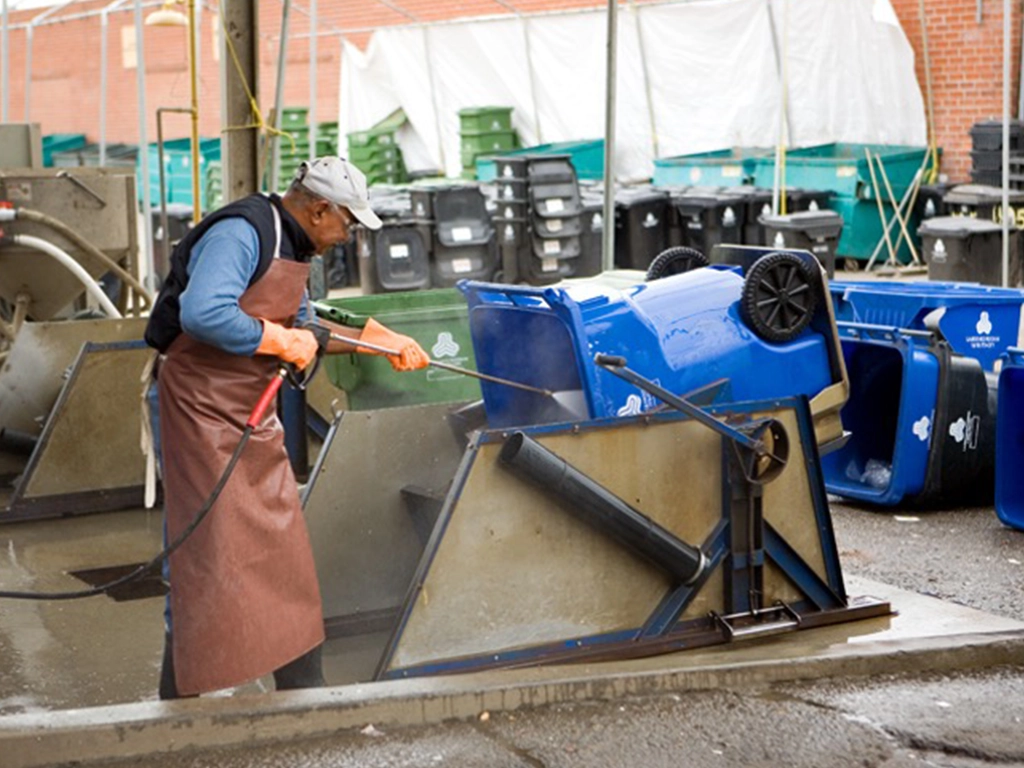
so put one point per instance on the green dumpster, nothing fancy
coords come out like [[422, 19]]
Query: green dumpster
[[437, 319], [721, 168], [843, 169]]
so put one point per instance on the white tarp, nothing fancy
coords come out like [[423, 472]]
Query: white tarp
[[712, 81]]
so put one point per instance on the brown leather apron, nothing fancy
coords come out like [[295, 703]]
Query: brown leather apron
[[244, 593]]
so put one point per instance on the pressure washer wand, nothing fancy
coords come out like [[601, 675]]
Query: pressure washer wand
[[446, 366]]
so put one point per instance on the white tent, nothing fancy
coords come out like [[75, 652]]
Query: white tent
[[692, 77]]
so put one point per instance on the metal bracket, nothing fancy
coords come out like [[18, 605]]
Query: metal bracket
[[757, 623], [82, 186]]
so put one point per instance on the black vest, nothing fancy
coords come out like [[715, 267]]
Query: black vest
[[165, 319]]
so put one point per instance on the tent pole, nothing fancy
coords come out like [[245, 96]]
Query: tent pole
[[608, 230], [5, 88], [272, 136], [433, 98], [647, 76], [1006, 143], [533, 79], [312, 82], [146, 259]]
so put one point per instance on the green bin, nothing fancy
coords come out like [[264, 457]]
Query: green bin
[[437, 319], [478, 120]]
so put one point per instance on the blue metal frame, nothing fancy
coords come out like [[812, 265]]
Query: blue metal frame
[[663, 621]]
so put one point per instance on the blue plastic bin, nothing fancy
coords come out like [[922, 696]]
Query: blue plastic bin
[[920, 420], [1010, 441], [587, 158], [683, 332], [721, 168], [977, 320]]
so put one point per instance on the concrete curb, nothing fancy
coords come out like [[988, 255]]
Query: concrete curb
[[135, 730]]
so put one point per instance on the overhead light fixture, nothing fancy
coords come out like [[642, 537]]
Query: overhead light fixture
[[167, 16]]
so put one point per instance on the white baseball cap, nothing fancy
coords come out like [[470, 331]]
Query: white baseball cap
[[337, 180]]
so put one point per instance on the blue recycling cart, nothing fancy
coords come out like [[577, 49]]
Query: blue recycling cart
[[1010, 441], [979, 321], [920, 421], [684, 332]]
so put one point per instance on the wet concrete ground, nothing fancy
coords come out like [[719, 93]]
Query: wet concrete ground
[[965, 720], [957, 719]]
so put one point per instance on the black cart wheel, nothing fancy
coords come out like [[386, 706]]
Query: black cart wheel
[[779, 296], [675, 261]]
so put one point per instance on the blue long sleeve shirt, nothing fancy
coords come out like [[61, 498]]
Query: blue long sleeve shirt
[[222, 264]]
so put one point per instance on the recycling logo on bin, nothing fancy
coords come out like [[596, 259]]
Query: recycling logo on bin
[[445, 347], [983, 338], [965, 431], [650, 221], [923, 428], [939, 252], [638, 403]]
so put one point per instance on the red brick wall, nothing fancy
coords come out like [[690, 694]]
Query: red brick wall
[[966, 64], [966, 68]]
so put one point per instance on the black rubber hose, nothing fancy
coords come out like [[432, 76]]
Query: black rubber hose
[[159, 559]]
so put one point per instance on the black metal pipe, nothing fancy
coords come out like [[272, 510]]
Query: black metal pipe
[[17, 442], [600, 508]]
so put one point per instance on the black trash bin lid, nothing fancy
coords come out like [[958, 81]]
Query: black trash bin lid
[[975, 194], [960, 227], [822, 223]]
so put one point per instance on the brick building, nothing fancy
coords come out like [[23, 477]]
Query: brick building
[[964, 47]]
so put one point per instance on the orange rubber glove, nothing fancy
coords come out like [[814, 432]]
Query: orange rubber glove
[[410, 357], [293, 345]]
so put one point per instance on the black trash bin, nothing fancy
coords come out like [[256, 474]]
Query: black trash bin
[[641, 226], [798, 199], [959, 248], [395, 257], [465, 246], [757, 202], [708, 218], [929, 203], [814, 231], [591, 236], [981, 201]]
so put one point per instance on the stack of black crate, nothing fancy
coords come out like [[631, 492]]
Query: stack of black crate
[[987, 153], [539, 218], [462, 243]]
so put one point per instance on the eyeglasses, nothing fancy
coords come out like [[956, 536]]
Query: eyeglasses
[[343, 214]]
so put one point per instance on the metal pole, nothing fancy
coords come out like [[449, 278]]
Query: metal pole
[[193, 33], [272, 137], [1006, 143], [312, 81], [5, 81], [104, 26], [28, 72], [608, 232], [147, 216]]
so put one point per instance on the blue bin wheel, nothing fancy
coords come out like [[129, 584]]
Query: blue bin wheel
[[779, 297], [675, 261]]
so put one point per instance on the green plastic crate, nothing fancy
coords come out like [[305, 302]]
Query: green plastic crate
[[474, 145], [437, 319], [586, 156], [372, 154], [476, 120], [721, 168], [294, 117], [371, 138]]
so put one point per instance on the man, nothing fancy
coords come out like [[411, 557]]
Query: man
[[244, 599]]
